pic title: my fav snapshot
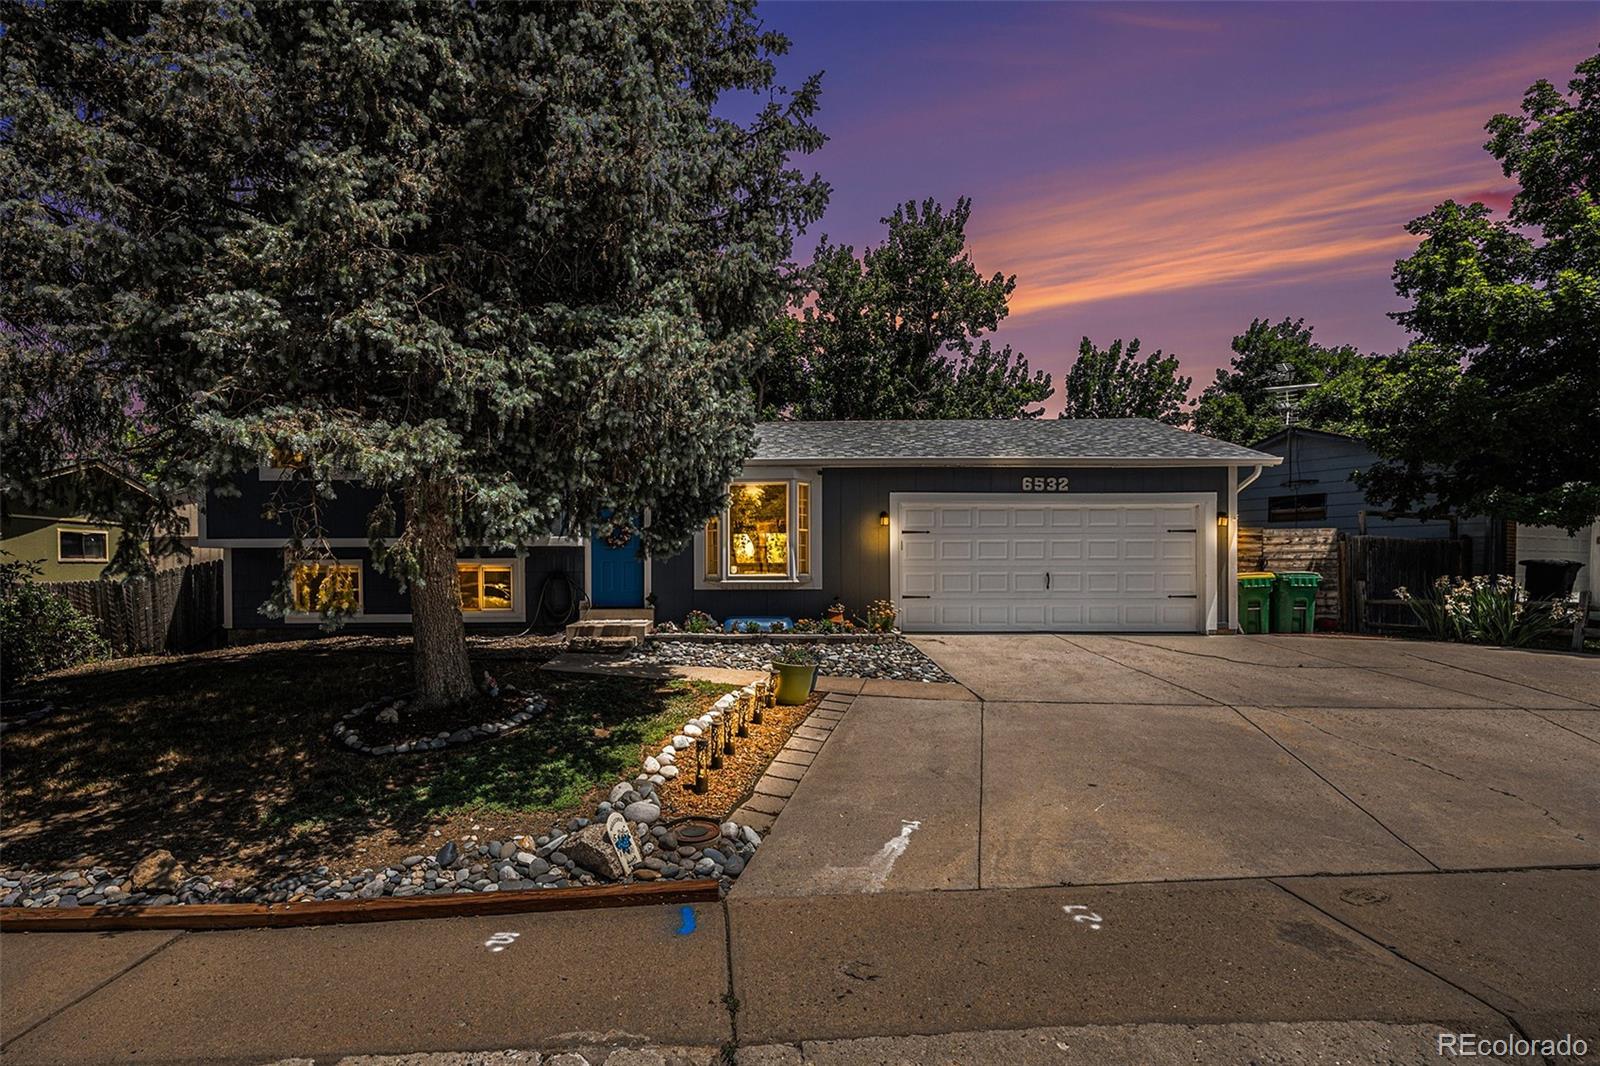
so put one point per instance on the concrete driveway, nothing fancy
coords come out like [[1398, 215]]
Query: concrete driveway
[[1103, 760]]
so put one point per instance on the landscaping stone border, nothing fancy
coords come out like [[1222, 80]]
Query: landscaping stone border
[[353, 740]]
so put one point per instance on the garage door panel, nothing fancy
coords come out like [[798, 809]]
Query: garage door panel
[[993, 581], [956, 582], [1027, 550], [1026, 566], [990, 550], [1066, 549], [1102, 581], [1104, 549]]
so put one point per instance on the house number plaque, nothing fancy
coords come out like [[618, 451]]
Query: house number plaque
[[1044, 484]]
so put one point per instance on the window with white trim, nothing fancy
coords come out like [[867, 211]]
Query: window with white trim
[[764, 534], [485, 586], [323, 588]]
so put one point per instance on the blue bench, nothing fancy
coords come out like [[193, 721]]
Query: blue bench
[[768, 623]]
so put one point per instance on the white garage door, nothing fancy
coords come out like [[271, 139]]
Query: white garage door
[[1047, 565]]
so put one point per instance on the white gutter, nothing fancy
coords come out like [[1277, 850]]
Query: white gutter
[[1260, 469]]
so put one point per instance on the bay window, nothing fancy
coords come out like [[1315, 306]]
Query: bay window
[[764, 535]]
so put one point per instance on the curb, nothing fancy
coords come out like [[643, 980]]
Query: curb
[[203, 916]]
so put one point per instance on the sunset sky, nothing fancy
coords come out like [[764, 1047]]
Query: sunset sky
[[1172, 170]]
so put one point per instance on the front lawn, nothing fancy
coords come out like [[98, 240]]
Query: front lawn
[[227, 760]]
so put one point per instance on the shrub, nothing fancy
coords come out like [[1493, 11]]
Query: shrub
[[39, 630], [699, 622], [794, 655], [754, 627], [821, 625], [1485, 611]]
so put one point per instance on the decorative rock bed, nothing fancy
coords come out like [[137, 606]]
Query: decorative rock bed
[[577, 853], [884, 657], [353, 740]]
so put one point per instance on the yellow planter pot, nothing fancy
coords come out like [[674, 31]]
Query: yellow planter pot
[[794, 683]]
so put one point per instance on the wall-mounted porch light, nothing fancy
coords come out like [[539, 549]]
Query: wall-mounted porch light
[[883, 519]]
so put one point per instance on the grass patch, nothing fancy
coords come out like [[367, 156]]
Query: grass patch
[[227, 759]]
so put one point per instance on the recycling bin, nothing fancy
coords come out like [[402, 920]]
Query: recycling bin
[[1294, 601], [1255, 601]]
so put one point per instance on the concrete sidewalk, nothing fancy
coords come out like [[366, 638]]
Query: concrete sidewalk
[[845, 977]]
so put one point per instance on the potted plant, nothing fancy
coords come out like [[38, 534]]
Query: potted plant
[[796, 671], [835, 612]]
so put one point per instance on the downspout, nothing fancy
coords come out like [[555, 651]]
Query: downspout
[[1251, 480]]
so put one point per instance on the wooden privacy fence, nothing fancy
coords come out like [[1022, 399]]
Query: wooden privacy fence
[[177, 610], [1376, 566], [1315, 550]]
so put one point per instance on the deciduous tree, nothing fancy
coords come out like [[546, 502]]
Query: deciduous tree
[[1497, 409], [896, 332], [1116, 383]]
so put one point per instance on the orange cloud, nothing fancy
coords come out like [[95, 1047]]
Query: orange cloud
[[1327, 203]]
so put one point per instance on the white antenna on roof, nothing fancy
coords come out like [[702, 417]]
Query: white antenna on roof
[[1288, 396]]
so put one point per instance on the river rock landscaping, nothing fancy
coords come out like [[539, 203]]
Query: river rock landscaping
[[889, 658], [568, 855]]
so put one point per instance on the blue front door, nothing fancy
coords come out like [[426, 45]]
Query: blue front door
[[617, 573]]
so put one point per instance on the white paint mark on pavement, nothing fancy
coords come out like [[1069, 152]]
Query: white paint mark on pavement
[[872, 876], [500, 941], [1089, 917]]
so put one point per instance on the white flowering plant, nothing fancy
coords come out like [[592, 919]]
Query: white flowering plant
[[1486, 610]]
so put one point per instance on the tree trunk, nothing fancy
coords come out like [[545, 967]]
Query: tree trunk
[[444, 675]]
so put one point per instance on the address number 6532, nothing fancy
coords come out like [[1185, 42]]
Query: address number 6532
[[1044, 484]]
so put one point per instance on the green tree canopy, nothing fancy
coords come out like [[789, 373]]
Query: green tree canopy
[[1115, 383], [1236, 406], [507, 263], [1497, 408], [896, 332]]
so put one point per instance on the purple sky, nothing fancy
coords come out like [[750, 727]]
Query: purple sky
[[1172, 170]]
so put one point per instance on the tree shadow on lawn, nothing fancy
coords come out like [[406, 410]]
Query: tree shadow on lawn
[[228, 761]]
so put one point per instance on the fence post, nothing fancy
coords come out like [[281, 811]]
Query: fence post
[[1580, 623]]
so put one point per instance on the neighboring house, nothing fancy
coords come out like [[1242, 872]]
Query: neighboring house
[[1550, 542], [1109, 525], [1314, 488], [63, 534]]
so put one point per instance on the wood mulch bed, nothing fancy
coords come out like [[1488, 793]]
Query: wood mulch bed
[[730, 786]]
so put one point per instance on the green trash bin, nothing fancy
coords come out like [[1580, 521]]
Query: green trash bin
[[1255, 601], [1294, 602]]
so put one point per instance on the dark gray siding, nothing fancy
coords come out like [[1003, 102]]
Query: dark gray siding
[[237, 517], [854, 547], [256, 569], [1327, 464]]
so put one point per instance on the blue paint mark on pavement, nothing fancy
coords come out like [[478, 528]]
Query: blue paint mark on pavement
[[686, 926]]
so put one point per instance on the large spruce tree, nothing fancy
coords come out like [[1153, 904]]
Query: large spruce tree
[[506, 263]]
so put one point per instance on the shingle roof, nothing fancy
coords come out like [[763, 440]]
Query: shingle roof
[[978, 441]]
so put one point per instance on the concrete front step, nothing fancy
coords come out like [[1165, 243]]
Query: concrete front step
[[633, 628], [590, 613]]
